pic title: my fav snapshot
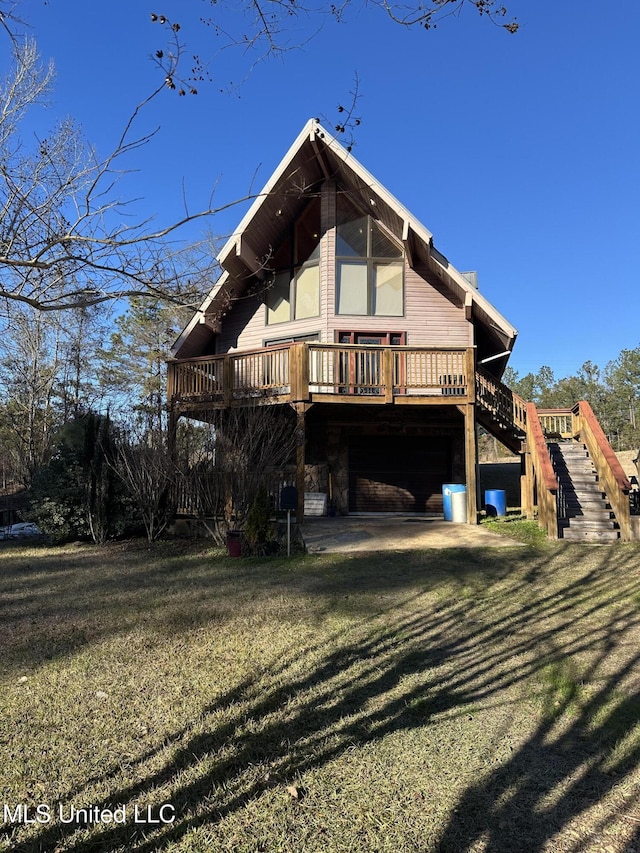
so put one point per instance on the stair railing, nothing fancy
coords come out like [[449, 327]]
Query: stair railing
[[503, 403], [610, 473], [545, 478]]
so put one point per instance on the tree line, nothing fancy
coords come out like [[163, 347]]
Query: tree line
[[84, 430]]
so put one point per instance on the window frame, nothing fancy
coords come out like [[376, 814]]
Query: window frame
[[295, 269], [371, 262]]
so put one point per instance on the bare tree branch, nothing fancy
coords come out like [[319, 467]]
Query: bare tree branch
[[66, 239], [266, 29]]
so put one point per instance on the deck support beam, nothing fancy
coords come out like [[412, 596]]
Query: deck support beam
[[527, 501], [471, 440], [472, 478], [471, 463], [301, 410]]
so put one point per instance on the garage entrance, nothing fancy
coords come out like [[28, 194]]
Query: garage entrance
[[398, 473]]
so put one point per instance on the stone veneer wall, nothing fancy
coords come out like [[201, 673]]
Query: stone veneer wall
[[338, 459], [316, 478]]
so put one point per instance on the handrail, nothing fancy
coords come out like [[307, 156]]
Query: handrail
[[589, 421], [256, 351], [608, 468], [546, 480], [500, 400]]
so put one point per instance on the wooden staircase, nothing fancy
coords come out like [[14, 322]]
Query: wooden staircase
[[572, 481], [584, 513]]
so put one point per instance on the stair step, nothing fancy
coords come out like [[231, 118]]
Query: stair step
[[591, 524], [586, 485], [591, 535], [589, 512], [578, 468]]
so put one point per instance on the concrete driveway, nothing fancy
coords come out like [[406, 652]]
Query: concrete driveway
[[394, 533]]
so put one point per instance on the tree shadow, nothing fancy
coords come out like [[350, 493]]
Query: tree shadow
[[401, 668]]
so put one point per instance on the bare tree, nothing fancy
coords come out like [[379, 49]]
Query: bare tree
[[67, 240], [149, 472], [29, 373], [241, 451]]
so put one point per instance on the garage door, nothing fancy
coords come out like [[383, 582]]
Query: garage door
[[398, 473]]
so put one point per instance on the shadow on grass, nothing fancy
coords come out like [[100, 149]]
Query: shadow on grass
[[495, 623]]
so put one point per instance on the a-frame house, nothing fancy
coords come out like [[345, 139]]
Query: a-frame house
[[333, 300]]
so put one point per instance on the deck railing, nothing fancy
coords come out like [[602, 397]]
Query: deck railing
[[224, 378], [557, 422], [302, 371]]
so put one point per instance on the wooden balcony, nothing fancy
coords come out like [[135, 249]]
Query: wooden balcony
[[315, 372]]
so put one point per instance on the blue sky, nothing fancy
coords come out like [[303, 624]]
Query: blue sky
[[520, 153]]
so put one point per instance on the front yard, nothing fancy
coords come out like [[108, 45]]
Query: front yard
[[425, 701]]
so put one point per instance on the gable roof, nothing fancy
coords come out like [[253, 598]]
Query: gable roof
[[316, 156]]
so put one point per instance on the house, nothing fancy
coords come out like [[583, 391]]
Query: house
[[334, 301]]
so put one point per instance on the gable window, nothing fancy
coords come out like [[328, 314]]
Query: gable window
[[369, 266], [294, 293]]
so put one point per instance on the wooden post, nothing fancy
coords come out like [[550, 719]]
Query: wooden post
[[471, 439], [227, 380], [387, 373], [526, 485], [301, 409], [171, 381], [299, 372], [471, 374], [471, 463]]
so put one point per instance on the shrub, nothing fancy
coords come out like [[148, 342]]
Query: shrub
[[258, 530]]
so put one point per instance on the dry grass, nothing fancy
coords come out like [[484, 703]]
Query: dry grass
[[424, 701]]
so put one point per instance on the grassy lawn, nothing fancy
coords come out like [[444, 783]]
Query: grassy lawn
[[448, 700]]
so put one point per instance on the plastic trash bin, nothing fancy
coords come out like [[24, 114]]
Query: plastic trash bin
[[459, 507], [449, 489], [495, 501]]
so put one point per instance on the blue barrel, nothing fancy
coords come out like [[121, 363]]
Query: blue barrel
[[495, 501], [447, 490]]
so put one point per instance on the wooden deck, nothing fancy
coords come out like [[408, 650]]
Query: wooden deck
[[335, 373]]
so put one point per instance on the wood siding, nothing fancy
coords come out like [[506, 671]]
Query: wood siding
[[431, 317]]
